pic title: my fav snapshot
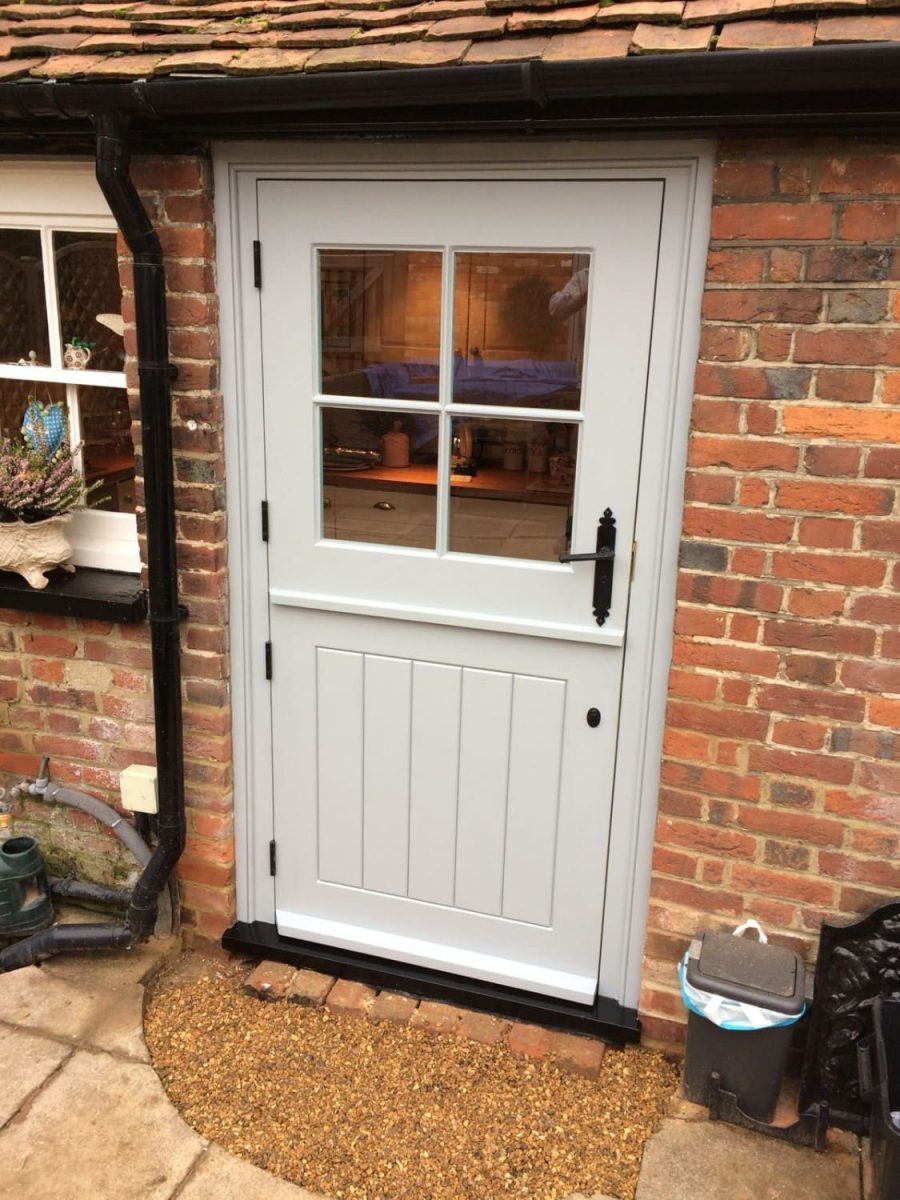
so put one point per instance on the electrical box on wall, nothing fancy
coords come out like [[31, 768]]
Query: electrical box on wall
[[137, 785]]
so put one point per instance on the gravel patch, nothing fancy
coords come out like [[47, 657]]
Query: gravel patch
[[358, 1110]]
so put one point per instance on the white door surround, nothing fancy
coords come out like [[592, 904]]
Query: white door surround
[[684, 171]]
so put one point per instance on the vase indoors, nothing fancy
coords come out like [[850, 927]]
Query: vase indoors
[[33, 548]]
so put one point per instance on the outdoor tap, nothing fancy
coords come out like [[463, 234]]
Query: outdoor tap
[[43, 778]]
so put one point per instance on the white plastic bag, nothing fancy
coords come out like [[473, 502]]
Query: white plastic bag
[[731, 1014]]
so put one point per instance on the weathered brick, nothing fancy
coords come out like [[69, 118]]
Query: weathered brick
[[436, 1017], [269, 980], [309, 988], [393, 1007], [350, 999], [530, 1041], [580, 1055]]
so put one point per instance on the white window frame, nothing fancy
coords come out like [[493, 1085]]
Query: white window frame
[[48, 197]]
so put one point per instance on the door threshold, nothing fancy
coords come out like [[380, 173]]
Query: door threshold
[[605, 1018]]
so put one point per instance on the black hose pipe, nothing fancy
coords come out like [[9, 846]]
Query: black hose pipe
[[62, 939], [97, 893], [154, 373]]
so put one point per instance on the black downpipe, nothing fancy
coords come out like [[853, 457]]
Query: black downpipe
[[154, 373]]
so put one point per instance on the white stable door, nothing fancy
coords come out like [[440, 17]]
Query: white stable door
[[454, 379]]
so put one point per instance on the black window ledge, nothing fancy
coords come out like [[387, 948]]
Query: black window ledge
[[101, 595]]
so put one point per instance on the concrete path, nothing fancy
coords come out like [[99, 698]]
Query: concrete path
[[83, 1115]]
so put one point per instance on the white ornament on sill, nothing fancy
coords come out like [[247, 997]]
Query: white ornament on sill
[[33, 548]]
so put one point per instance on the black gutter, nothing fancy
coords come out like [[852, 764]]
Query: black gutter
[[154, 373], [704, 90]]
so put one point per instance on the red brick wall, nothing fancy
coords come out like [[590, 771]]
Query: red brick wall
[[780, 791], [80, 691]]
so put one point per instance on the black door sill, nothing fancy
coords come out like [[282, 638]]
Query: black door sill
[[604, 1018], [100, 595]]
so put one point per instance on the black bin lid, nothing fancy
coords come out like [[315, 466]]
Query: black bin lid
[[741, 968]]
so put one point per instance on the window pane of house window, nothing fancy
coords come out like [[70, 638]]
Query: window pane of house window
[[379, 476], [380, 314], [518, 328], [90, 298], [14, 397], [108, 452], [23, 312], [512, 487]]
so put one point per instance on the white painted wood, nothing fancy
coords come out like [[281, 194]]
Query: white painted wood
[[502, 214], [685, 169], [386, 773], [483, 783], [340, 712], [535, 764], [434, 781]]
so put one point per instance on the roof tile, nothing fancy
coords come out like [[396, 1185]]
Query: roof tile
[[45, 43], [699, 12], [384, 54], [640, 10], [127, 66], [317, 19], [663, 39], [375, 20], [65, 66], [870, 28], [437, 10], [34, 12], [268, 62], [507, 50], [589, 43], [468, 27], [493, 5], [766, 35], [19, 66], [395, 33], [296, 6], [111, 43], [791, 6], [558, 20], [194, 62], [244, 40], [315, 39]]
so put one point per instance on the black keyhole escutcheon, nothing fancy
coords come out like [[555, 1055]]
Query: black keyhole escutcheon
[[593, 717]]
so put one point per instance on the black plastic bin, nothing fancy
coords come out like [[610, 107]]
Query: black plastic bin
[[880, 1083], [750, 1063]]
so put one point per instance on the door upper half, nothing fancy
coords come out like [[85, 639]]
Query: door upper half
[[454, 377]]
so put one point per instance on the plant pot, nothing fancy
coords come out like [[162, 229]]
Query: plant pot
[[33, 548]]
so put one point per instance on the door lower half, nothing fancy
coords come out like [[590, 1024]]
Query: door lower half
[[454, 376]]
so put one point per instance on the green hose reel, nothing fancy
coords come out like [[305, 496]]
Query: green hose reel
[[25, 905]]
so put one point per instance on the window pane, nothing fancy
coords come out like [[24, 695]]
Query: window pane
[[108, 451], [14, 397], [87, 285], [518, 328], [379, 476], [380, 323], [23, 313], [512, 487]]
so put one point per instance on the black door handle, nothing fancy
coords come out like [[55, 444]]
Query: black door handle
[[603, 559]]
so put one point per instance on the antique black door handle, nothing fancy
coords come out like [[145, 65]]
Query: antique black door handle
[[603, 559]]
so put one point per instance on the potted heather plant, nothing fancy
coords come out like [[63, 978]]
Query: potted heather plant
[[39, 485]]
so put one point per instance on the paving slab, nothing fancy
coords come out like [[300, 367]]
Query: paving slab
[[34, 999], [102, 1129], [221, 1175], [28, 1060], [705, 1160], [118, 1025]]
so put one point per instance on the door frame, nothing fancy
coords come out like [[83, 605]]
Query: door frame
[[686, 168]]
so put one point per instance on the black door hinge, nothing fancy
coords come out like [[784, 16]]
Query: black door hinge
[[257, 265], [264, 506], [268, 660], [272, 857]]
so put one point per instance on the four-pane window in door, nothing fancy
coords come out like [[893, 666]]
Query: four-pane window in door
[[449, 397], [61, 342]]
